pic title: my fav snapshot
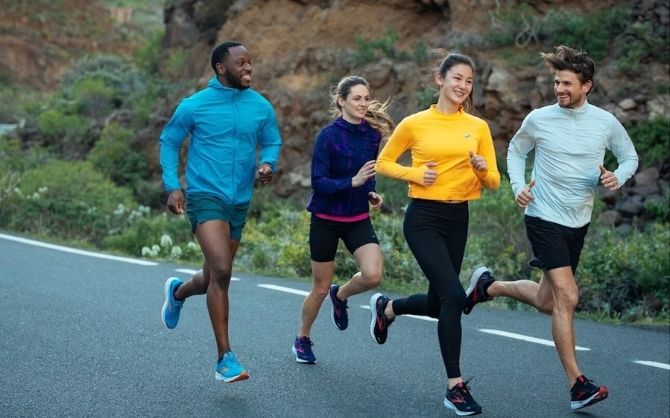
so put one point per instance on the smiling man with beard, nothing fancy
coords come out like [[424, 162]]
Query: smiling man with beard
[[227, 122], [569, 139]]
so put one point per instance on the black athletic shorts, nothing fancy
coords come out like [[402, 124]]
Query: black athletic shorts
[[554, 245], [324, 235]]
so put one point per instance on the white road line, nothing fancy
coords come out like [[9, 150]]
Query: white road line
[[423, 318], [653, 364], [190, 271], [526, 338], [284, 289], [79, 252]]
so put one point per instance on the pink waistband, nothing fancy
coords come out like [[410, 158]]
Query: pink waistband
[[354, 218]]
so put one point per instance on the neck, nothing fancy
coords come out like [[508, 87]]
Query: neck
[[352, 119], [580, 105], [447, 107]]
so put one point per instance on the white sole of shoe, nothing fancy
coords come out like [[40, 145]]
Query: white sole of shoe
[[596, 397], [298, 359], [373, 315], [242, 376], [450, 405], [166, 293], [473, 280]]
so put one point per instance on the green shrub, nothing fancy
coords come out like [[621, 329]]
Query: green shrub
[[95, 98], [117, 156], [652, 141], [658, 210], [372, 50], [69, 200], [626, 276], [420, 53], [519, 25], [512, 25], [176, 62], [592, 33], [58, 126], [426, 97], [118, 77], [640, 44], [14, 163], [148, 57], [163, 236]]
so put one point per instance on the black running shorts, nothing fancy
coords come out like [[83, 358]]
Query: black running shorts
[[554, 245], [324, 235]]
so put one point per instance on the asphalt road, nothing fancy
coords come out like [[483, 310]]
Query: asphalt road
[[82, 336]]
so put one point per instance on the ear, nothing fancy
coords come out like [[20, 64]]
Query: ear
[[340, 101], [220, 69], [438, 79], [587, 86]]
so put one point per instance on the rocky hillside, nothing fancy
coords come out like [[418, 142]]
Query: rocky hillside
[[301, 47], [40, 39]]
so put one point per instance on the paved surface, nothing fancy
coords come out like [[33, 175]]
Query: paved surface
[[82, 336]]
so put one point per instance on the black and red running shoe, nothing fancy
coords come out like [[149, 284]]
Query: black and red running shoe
[[460, 400], [585, 393], [379, 323], [476, 291]]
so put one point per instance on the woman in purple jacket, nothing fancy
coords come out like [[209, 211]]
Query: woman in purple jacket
[[343, 188]]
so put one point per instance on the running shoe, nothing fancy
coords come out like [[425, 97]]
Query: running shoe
[[302, 348], [171, 306], [460, 400], [476, 292], [379, 323], [340, 317], [585, 393], [229, 369]]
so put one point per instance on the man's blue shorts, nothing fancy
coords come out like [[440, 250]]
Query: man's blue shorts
[[203, 207]]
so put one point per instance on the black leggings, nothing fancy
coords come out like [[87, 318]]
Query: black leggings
[[436, 233]]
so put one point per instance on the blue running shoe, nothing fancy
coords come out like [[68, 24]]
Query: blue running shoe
[[302, 348], [229, 369], [340, 316], [172, 306]]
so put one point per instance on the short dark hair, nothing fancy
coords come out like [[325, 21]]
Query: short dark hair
[[220, 53], [566, 58]]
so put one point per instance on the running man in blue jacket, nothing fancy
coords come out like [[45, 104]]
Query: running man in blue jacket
[[227, 122]]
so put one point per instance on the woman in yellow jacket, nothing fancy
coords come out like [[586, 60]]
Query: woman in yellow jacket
[[452, 160]]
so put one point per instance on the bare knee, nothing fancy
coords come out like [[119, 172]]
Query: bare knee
[[372, 277], [566, 299], [220, 274], [320, 290]]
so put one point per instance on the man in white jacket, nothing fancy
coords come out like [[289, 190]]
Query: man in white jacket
[[570, 138]]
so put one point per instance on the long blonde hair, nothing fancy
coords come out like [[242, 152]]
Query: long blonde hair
[[376, 115]]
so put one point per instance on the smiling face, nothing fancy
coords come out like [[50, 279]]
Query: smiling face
[[569, 90], [455, 86], [235, 70], [355, 105]]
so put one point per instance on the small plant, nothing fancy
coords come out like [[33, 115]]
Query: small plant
[[652, 141], [426, 97], [47, 201], [371, 50]]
